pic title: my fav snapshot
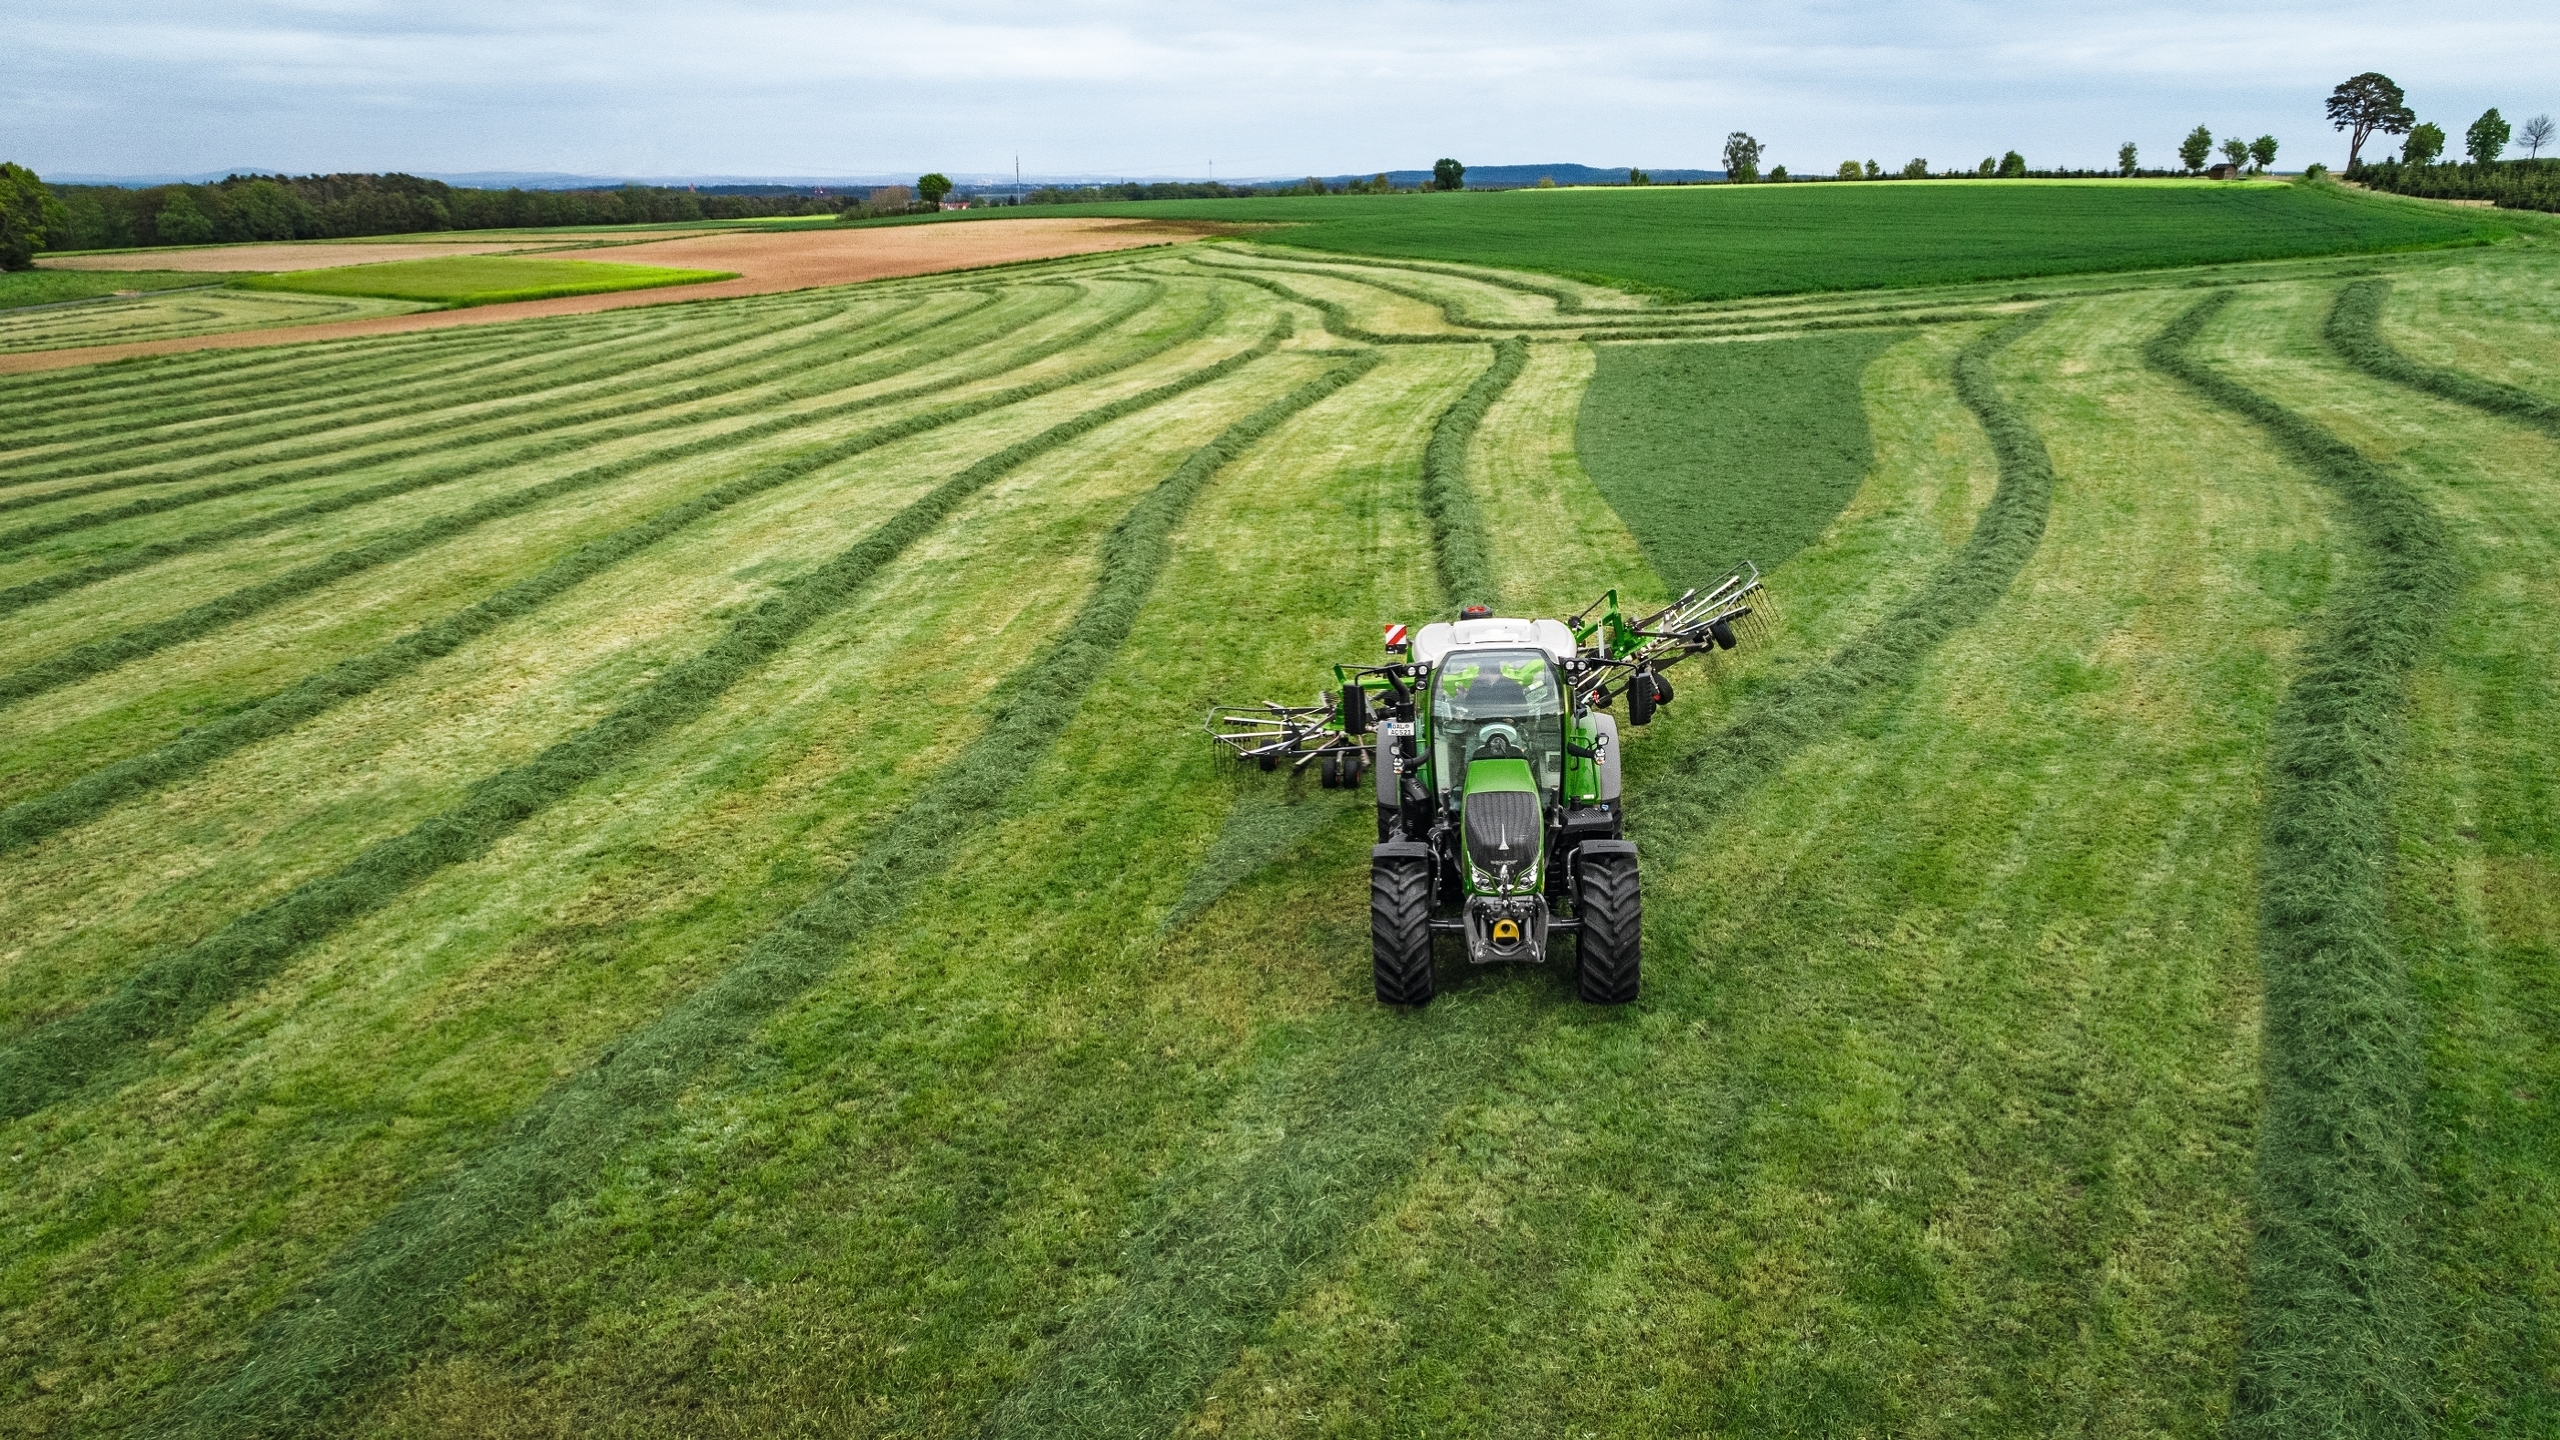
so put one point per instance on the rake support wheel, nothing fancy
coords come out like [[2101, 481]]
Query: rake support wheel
[[1609, 952], [1400, 921]]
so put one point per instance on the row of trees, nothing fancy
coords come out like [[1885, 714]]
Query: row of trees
[[1743, 153], [2372, 103], [312, 207]]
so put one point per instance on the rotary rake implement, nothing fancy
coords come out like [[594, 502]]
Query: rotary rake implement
[[1493, 748]]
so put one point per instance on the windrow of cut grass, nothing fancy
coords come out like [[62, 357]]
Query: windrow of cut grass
[[2354, 330], [1658, 322], [55, 1059], [178, 313], [2337, 1335], [1712, 774], [556, 377], [24, 823], [460, 1003], [436, 435], [1672, 436], [128, 556], [174, 381], [612, 905], [75, 421], [47, 396], [1460, 549], [389, 1286], [98, 656], [2473, 833]]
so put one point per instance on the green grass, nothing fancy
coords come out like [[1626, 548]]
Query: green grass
[[177, 314], [1718, 454], [664, 880], [1714, 242], [2337, 1340], [463, 280], [2468, 859], [53, 287]]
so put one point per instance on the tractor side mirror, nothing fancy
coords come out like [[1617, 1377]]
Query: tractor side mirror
[[1355, 709], [1640, 698]]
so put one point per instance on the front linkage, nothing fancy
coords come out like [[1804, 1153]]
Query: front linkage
[[1496, 768]]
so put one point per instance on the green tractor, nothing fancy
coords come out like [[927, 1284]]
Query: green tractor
[[1495, 760]]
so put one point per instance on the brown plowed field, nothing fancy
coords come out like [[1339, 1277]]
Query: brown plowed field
[[790, 260]]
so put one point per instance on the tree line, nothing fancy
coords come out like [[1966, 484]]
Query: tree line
[[316, 207], [2373, 104]]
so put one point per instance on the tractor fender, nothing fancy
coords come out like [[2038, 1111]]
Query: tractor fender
[[1601, 847], [1388, 793], [1403, 852], [1604, 738]]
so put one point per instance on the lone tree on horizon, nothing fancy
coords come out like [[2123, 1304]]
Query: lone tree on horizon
[[2235, 153], [1447, 174], [2125, 156], [1741, 158], [2263, 150], [2196, 149], [2487, 137], [2535, 134], [933, 187], [2369, 102]]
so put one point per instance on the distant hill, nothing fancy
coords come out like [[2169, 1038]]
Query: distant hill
[[1479, 177], [1515, 177]]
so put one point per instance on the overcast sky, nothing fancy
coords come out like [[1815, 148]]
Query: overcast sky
[[1154, 88]]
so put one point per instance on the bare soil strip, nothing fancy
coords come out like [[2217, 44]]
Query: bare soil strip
[[792, 260]]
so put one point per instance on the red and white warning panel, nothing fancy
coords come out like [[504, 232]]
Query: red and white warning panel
[[1395, 637]]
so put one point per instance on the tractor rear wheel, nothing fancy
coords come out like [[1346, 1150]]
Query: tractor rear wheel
[[1400, 922], [1609, 949]]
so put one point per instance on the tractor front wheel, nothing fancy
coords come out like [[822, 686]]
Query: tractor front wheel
[[1609, 950], [1400, 922]]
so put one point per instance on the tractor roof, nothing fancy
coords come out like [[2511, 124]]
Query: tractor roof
[[1439, 638]]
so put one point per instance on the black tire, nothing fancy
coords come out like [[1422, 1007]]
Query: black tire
[[1400, 922], [1608, 900], [1330, 770]]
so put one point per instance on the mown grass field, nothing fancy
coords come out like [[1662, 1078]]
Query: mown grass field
[[1716, 242], [54, 287], [653, 872], [177, 312], [462, 280]]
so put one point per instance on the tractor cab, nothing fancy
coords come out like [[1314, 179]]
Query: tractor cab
[[1499, 710]]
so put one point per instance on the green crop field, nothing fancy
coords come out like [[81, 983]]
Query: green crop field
[[56, 287], [461, 280], [655, 873], [1714, 242]]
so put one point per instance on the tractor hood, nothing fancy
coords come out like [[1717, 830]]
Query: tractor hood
[[1500, 816]]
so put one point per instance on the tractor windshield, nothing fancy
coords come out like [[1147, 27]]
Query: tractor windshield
[[1497, 704]]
